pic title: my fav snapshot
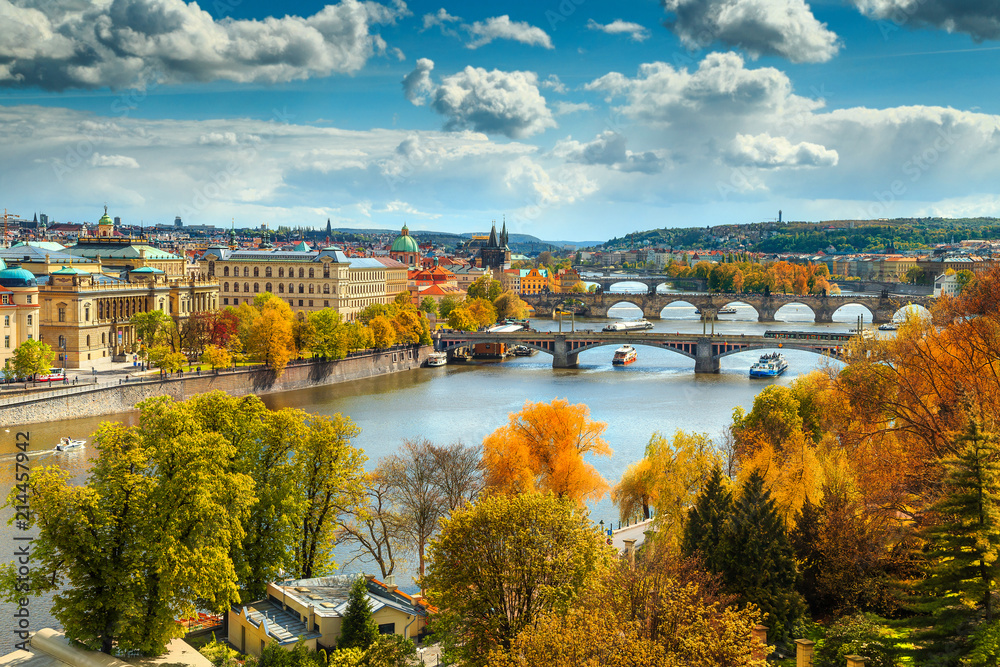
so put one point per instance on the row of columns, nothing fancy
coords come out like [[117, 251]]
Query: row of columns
[[120, 307]]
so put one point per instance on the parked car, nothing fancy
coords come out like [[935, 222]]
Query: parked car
[[54, 375]]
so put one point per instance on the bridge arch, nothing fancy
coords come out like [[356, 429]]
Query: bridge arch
[[787, 311], [684, 309], [632, 283], [636, 303], [594, 346], [914, 309], [867, 315], [784, 345], [734, 304]]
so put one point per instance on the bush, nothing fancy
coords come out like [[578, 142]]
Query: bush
[[218, 653], [861, 634], [985, 646]]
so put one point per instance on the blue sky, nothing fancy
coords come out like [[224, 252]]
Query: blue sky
[[574, 120]]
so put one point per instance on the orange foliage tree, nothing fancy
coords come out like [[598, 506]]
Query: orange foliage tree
[[542, 448]]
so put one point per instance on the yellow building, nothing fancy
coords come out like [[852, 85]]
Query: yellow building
[[313, 610], [309, 280], [534, 281], [18, 308]]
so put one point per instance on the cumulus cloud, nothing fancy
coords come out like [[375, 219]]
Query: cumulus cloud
[[61, 45], [568, 185], [979, 19], [635, 31], [481, 33], [494, 102], [397, 206], [609, 149], [552, 82], [123, 161], [767, 152], [563, 108], [785, 28]]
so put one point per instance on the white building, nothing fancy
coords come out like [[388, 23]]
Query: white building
[[947, 285]]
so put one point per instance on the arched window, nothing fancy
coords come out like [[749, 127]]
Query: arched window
[[62, 342], [326, 288], [256, 272], [267, 287], [246, 287], [236, 287], [225, 272], [326, 269], [246, 271], [267, 272], [310, 288], [302, 288], [225, 287], [291, 288], [256, 287], [281, 272], [312, 274], [302, 273], [281, 288]]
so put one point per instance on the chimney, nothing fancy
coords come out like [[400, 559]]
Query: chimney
[[804, 652], [390, 583], [855, 661]]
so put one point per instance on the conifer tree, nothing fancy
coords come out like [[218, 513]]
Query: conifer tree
[[965, 543], [758, 564], [358, 629], [706, 522]]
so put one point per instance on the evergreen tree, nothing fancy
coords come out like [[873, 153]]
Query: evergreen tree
[[964, 544], [358, 628], [758, 564], [806, 540], [706, 522]]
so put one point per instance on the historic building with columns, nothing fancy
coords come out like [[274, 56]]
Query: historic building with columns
[[18, 309]]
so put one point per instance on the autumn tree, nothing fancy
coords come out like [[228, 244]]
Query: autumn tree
[[482, 311], [510, 306], [542, 449], [146, 539], [268, 331], [217, 357], [382, 332], [500, 563], [355, 336], [32, 357], [462, 319], [446, 305], [484, 287]]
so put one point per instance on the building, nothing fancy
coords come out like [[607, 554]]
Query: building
[[405, 249], [568, 278], [534, 281], [309, 280], [313, 610], [113, 251], [18, 308], [947, 285], [494, 254]]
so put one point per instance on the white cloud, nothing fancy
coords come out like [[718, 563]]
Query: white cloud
[[552, 81], [494, 102], [125, 43], [123, 161], [525, 177], [402, 207], [769, 152], [635, 31], [980, 19], [785, 28], [563, 108], [609, 149], [482, 33]]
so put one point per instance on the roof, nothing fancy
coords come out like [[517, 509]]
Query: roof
[[146, 269], [34, 253], [119, 251], [391, 263], [334, 253], [44, 245], [405, 243], [366, 263], [17, 277], [284, 626], [328, 596], [70, 271]]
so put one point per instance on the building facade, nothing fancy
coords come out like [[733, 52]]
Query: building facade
[[18, 309], [494, 254]]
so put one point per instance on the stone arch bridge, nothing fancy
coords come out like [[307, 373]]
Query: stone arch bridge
[[883, 308]]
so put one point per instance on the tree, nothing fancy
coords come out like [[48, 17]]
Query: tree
[[269, 338], [759, 565], [327, 339], [151, 327], [914, 275], [331, 473], [383, 333], [510, 306], [542, 448], [706, 522], [412, 476], [371, 525], [429, 305], [501, 562], [358, 629], [217, 357], [461, 318], [446, 305], [965, 541], [484, 287], [482, 311], [355, 337], [544, 258], [146, 540], [32, 357], [459, 475]]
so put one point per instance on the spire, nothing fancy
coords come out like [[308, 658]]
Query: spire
[[493, 236], [503, 233]]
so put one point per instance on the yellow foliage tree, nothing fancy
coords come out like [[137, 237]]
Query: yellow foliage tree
[[269, 338], [542, 448], [217, 357], [383, 333], [483, 311]]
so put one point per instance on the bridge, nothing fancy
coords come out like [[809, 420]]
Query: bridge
[[883, 308], [565, 347], [650, 280]]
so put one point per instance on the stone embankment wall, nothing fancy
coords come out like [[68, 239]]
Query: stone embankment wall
[[105, 400]]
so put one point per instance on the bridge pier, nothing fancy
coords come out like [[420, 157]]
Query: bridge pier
[[883, 315], [705, 361], [561, 356]]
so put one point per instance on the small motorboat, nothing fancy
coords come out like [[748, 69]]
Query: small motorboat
[[67, 444], [437, 359]]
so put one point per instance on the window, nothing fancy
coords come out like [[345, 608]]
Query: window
[[281, 272], [326, 269], [281, 288], [300, 303], [88, 341], [86, 313], [326, 304], [387, 629], [236, 287], [302, 288], [302, 273], [256, 272], [6, 299], [246, 271], [256, 288], [311, 288], [267, 287], [310, 303], [291, 288], [312, 274], [225, 272], [6, 341], [225, 287], [104, 339], [267, 272], [326, 288], [29, 320], [62, 314], [6, 320], [225, 302], [29, 298], [62, 342], [246, 287]]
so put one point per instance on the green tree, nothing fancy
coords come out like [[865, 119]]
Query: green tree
[[358, 629], [32, 357], [485, 287], [429, 305], [462, 319], [356, 337], [327, 340], [706, 522], [965, 541], [447, 305], [146, 539], [759, 565], [499, 563], [151, 328]]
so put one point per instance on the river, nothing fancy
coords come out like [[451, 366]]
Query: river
[[658, 393]]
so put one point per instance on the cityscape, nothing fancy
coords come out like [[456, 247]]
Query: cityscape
[[386, 334]]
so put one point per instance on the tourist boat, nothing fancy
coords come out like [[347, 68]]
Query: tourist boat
[[462, 354], [67, 444], [720, 311], [524, 351], [437, 358], [624, 356], [769, 366], [635, 325], [892, 326]]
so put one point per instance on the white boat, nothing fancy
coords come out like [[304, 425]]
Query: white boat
[[67, 444], [892, 326], [634, 325], [769, 366], [437, 358], [624, 356]]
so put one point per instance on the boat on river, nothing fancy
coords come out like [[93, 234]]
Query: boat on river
[[437, 358], [67, 444], [769, 366], [634, 325], [624, 356], [721, 311], [523, 351], [891, 326]]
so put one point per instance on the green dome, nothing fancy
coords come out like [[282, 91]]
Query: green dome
[[17, 277], [405, 242]]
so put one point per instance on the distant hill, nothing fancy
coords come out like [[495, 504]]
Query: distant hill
[[518, 242]]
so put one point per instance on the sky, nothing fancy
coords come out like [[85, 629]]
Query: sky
[[568, 119]]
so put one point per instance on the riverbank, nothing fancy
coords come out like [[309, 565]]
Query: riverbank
[[111, 398]]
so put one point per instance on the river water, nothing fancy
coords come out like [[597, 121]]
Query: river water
[[658, 393]]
